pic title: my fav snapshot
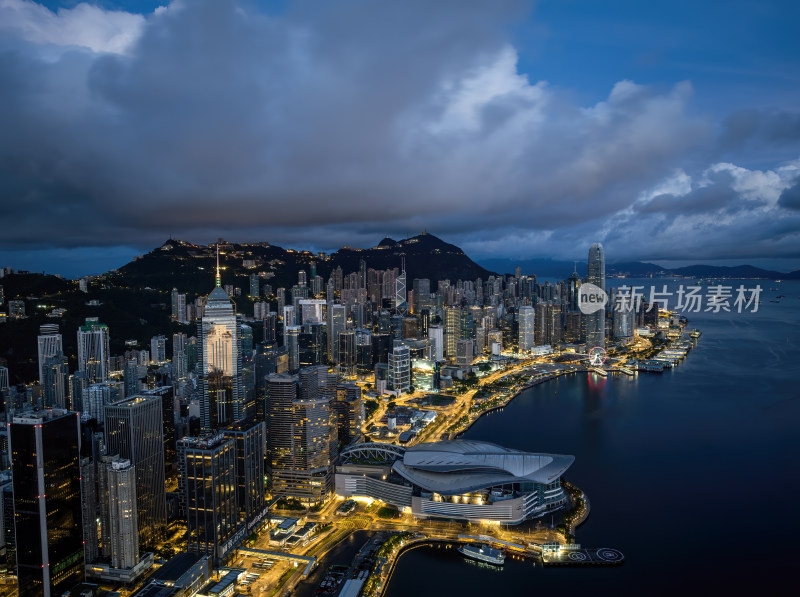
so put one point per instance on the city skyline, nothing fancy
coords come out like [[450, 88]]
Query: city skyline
[[511, 129]]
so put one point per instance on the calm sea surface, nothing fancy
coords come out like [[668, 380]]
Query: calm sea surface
[[692, 474]]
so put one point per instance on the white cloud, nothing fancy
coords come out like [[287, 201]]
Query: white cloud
[[84, 26]]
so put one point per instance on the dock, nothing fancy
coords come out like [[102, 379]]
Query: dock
[[554, 554]]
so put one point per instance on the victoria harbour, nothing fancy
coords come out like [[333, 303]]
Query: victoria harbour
[[685, 471], [304, 298]]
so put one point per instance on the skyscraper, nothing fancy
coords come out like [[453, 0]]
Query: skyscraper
[[526, 328], [93, 350], [121, 517], [596, 322], [208, 483], [400, 369], [222, 400], [134, 431], [49, 345], [249, 438], [302, 436], [45, 461]]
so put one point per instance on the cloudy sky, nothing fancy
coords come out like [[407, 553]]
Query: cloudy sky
[[667, 130]]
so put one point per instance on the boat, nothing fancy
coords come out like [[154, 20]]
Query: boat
[[483, 553], [695, 334]]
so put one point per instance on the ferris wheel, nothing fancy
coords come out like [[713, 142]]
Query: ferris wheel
[[597, 356]]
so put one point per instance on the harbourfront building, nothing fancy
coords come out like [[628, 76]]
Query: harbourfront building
[[596, 322], [458, 479]]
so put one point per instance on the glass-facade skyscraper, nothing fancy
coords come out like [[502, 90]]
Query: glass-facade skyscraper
[[45, 463], [220, 364], [596, 322]]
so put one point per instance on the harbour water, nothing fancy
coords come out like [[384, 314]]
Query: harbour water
[[692, 474]]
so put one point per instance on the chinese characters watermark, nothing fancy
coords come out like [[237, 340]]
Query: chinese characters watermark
[[689, 299]]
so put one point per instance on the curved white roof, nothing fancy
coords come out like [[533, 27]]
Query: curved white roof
[[460, 466]]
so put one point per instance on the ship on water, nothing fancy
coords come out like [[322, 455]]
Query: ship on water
[[483, 553]]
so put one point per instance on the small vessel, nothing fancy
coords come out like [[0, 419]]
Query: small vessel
[[483, 553], [695, 334]]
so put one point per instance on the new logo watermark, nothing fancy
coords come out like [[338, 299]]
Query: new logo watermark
[[591, 298]]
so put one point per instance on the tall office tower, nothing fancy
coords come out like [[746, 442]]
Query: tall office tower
[[134, 431], [93, 351], [400, 294], [572, 326], [624, 321], [254, 286], [526, 328], [436, 336], [120, 504], [167, 395], [180, 361], [301, 439], [347, 352], [249, 438], [596, 322], [45, 463], [292, 337], [337, 316], [452, 330], [555, 327], [464, 352], [222, 400], [349, 410], [158, 349], [49, 345], [55, 380], [316, 285], [91, 546], [422, 293], [400, 369], [573, 284], [208, 486]]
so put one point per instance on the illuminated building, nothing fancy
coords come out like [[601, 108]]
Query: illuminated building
[[222, 401], [596, 322], [302, 435], [45, 462], [526, 328], [459, 479], [49, 345], [134, 431], [93, 350]]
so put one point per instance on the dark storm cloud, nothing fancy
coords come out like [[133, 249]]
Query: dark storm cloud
[[790, 197], [331, 124]]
